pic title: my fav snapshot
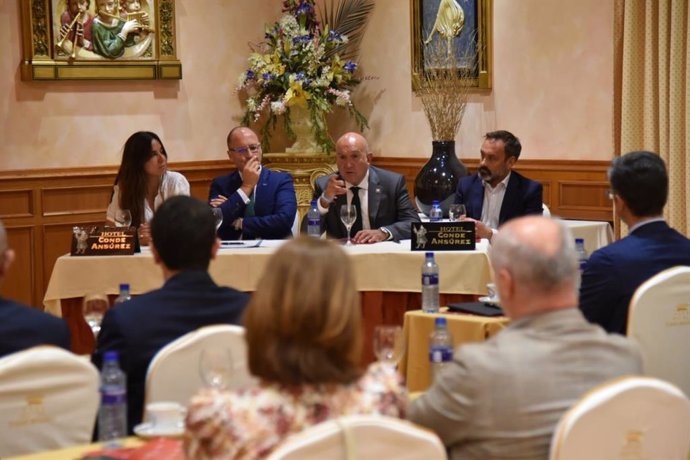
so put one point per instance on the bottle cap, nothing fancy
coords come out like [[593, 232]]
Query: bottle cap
[[313, 203], [110, 356], [579, 241], [440, 321], [435, 203], [124, 287], [429, 255]]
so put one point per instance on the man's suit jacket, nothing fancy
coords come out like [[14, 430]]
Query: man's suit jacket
[[274, 208], [523, 196], [23, 327], [389, 205], [503, 398], [139, 328], [614, 272]]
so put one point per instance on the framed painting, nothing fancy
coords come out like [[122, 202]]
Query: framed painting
[[99, 40], [461, 28]]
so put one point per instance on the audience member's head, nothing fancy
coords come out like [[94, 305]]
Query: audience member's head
[[143, 157], [640, 180], [6, 254], [303, 324], [535, 266], [183, 233], [500, 150], [352, 155]]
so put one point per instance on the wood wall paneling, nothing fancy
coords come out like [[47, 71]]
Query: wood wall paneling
[[40, 207]]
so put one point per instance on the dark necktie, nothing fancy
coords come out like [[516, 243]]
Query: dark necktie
[[356, 203], [249, 210]]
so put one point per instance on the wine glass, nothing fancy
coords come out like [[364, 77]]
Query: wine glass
[[348, 215], [218, 215], [456, 212], [123, 218], [216, 367], [93, 309], [388, 344]]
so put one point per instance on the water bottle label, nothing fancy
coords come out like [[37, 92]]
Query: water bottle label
[[440, 354], [111, 396], [429, 279], [316, 222]]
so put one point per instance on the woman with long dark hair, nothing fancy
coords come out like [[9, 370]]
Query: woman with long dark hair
[[144, 182]]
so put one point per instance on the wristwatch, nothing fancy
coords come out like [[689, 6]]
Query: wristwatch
[[387, 232]]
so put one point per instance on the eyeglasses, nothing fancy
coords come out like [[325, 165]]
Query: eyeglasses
[[248, 148]]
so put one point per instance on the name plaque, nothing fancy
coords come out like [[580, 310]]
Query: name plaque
[[104, 241], [443, 236]]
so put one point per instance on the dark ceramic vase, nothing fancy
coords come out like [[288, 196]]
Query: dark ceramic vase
[[438, 178]]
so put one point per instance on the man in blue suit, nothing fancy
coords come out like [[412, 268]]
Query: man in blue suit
[[496, 193], [184, 242], [256, 202], [22, 326], [639, 185]]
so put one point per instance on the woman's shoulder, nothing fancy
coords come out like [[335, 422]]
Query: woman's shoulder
[[174, 183], [380, 390]]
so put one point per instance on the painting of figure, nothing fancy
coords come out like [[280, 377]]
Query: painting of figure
[[104, 29]]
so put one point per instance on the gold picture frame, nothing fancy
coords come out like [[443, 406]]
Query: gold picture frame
[[474, 67], [51, 28]]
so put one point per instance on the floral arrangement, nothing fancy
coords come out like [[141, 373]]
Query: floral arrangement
[[300, 65]]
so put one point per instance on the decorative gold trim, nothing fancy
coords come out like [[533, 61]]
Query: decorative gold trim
[[41, 61], [484, 13]]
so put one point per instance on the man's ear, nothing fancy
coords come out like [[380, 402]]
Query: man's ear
[[154, 252], [6, 261], [505, 284], [215, 248], [370, 157]]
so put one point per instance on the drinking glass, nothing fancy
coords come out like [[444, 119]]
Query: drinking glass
[[123, 218], [216, 367], [93, 309], [388, 344], [218, 215], [456, 212], [348, 215]]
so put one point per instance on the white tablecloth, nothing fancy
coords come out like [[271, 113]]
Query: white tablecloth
[[386, 267]]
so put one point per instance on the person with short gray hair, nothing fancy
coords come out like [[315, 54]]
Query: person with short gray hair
[[21, 326], [503, 398]]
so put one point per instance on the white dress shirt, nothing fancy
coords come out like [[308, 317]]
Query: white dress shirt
[[363, 200], [493, 200]]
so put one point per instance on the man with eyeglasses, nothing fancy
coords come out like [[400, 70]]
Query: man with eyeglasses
[[639, 189], [256, 202]]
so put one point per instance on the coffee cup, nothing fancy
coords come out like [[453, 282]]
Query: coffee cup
[[165, 415]]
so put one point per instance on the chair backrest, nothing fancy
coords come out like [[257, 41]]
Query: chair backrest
[[659, 320], [48, 400], [173, 374], [362, 437], [627, 418]]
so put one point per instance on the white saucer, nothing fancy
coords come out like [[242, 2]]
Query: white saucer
[[146, 430], [490, 300]]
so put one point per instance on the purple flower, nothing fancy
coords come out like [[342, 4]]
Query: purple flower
[[350, 66], [301, 39], [299, 76], [250, 74], [267, 76], [334, 35]]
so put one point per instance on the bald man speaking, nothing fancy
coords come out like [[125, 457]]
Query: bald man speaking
[[384, 210]]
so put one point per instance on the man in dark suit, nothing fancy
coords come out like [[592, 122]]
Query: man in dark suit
[[256, 202], [496, 193], [639, 185], [184, 242], [384, 208], [21, 326]]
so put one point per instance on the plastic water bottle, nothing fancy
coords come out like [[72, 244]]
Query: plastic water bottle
[[440, 348], [436, 213], [112, 416], [314, 221], [430, 293], [124, 294], [581, 252]]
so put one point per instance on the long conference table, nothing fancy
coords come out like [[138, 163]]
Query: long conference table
[[387, 276]]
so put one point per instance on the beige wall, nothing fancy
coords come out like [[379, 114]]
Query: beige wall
[[552, 86]]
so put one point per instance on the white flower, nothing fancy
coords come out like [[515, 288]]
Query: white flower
[[289, 24], [278, 107]]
